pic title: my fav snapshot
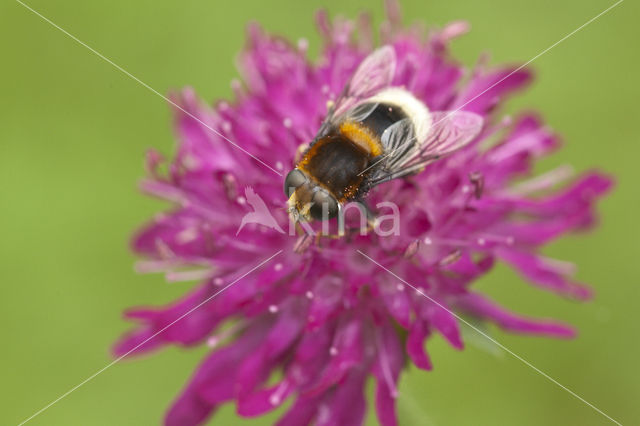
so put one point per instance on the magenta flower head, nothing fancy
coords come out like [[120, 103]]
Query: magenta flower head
[[306, 318]]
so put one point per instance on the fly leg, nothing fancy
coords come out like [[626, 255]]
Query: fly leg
[[369, 215], [366, 212], [364, 229]]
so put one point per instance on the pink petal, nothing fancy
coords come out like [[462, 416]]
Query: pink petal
[[542, 274], [485, 90], [482, 307], [415, 345]]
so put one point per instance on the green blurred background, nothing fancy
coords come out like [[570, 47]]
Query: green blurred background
[[72, 136]]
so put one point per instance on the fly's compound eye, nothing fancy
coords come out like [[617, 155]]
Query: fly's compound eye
[[323, 206], [294, 179]]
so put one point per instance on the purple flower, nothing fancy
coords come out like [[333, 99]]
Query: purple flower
[[319, 314]]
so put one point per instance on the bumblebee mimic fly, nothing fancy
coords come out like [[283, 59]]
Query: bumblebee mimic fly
[[373, 133]]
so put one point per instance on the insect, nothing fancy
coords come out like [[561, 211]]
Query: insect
[[372, 133]]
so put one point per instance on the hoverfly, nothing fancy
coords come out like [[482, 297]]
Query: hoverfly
[[372, 133]]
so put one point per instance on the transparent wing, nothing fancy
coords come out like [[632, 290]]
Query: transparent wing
[[405, 155], [373, 74]]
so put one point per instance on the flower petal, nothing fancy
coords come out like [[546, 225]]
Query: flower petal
[[482, 307], [484, 91], [542, 273], [415, 345]]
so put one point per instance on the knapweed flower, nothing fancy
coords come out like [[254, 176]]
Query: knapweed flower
[[318, 318]]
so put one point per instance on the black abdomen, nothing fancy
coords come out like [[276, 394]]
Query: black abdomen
[[383, 116], [341, 160], [337, 163]]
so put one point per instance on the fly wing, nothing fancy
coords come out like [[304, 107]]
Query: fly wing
[[373, 74], [405, 155]]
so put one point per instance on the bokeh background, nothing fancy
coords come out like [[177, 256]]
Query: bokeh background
[[72, 136]]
